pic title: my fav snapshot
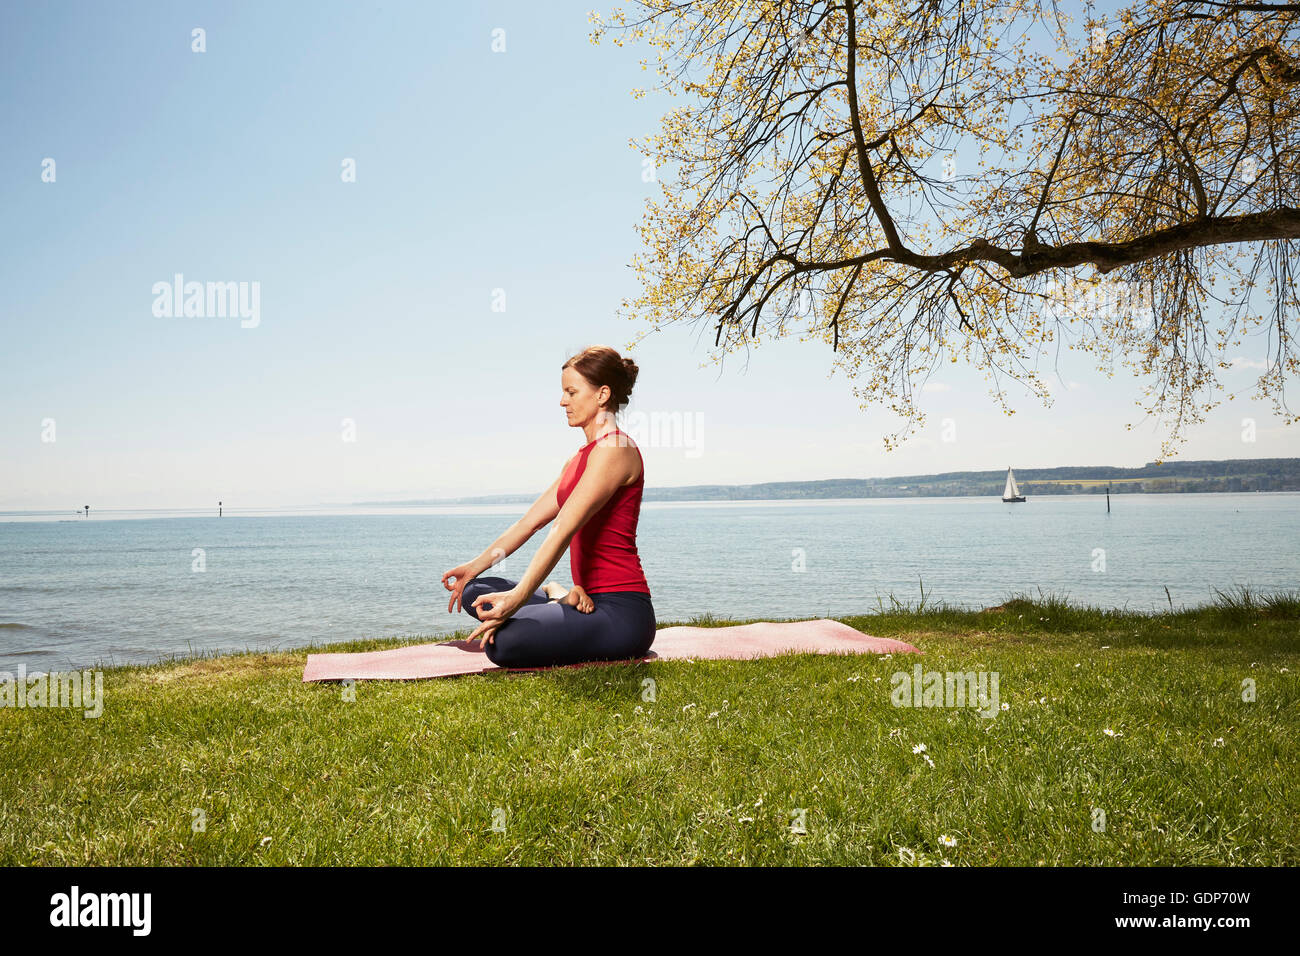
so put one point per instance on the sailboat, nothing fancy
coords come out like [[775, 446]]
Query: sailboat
[[1011, 493]]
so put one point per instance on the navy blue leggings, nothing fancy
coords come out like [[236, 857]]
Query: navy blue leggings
[[545, 634]]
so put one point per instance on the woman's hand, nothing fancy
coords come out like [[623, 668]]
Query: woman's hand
[[463, 574], [504, 603]]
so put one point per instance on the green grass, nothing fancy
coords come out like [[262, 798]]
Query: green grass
[[582, 770]]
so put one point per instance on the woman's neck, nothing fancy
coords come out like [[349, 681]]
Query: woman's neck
[[601, 434]]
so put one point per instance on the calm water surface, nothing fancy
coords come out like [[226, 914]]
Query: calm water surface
[[107, 589]]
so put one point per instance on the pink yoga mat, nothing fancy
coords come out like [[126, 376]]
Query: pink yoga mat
[[739, 642]]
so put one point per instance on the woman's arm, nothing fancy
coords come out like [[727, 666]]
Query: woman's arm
[[546, 507], [608, 468]]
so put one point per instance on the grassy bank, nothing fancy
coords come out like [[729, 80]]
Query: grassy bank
[[575, 767]]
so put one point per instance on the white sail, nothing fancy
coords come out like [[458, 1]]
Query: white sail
[[1010, 491]]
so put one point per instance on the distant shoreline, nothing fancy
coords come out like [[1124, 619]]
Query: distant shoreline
[[1230, 476], [503, 504], [1173, 477]]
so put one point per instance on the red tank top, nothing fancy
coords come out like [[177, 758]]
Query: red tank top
[[602, 555]]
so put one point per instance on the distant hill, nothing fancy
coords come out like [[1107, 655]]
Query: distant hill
[[1172, 477]]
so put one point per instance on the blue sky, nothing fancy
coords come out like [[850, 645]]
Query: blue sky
[[475, 171]]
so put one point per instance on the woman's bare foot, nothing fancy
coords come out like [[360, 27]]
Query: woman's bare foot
[[579, 599], [574, 596]]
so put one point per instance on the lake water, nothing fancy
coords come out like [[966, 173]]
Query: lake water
[[108, 589]]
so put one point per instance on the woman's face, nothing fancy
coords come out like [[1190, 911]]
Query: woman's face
[[581, 402]]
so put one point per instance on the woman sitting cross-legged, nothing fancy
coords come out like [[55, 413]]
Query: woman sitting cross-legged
[[595, 503]]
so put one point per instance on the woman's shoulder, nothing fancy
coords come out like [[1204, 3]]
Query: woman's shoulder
[[621, 439]]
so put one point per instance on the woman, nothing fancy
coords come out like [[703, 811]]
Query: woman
[[596, 502]]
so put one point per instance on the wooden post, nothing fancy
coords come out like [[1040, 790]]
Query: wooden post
[[1108, 498]]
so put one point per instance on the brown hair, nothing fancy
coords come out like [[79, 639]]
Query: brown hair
[[601, 365]]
